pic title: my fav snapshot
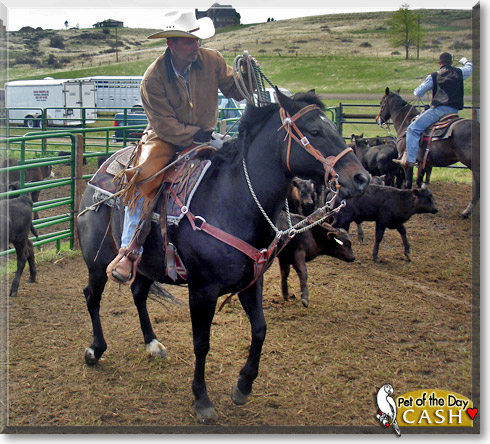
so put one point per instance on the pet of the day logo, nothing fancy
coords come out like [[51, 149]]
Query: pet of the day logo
[[435, 408], [424, 408], [387, 410]]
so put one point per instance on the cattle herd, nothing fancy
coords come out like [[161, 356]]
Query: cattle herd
[[384, 203]]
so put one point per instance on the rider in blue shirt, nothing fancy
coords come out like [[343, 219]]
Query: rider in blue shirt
[[447, 98]]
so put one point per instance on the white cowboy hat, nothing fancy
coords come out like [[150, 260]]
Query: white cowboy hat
[[185, 24]]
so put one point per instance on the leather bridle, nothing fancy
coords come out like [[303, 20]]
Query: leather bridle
[[293, 132]]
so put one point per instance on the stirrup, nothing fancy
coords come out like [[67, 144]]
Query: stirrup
[[133, 256]]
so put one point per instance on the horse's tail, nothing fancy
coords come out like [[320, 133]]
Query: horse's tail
[[160, 294]]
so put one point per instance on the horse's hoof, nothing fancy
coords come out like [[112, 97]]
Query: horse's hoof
[[156, 349], [237, 396], [90, 358], [305, 302], [465, 215], [207, 415]]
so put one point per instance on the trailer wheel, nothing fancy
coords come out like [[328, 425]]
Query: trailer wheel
[[31, 122]]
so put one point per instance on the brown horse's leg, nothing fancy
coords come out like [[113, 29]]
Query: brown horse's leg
[[251, 300], [408, 177]]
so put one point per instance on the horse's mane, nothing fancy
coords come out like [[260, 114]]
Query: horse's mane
[[397, 102], [250, 123], [310, 98]]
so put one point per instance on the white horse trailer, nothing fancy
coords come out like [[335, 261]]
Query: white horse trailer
[[116, 92], [61, 100]]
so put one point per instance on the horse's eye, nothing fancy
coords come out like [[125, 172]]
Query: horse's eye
[[315, 133]]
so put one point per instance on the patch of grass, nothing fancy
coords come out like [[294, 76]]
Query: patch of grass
[[46, 253]]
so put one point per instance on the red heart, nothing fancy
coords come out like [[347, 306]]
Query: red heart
[[472, 412]]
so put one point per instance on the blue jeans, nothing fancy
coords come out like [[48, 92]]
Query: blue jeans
[[131, 223], [416, 128]]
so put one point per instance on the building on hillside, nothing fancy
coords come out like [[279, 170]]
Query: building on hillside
[[221, 15], [109, 23]]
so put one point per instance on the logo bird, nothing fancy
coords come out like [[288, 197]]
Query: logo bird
[[387, 408]]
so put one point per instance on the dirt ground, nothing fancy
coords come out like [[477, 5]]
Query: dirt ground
[[406, 323]]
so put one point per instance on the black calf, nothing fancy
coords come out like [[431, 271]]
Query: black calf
[[15, 224]]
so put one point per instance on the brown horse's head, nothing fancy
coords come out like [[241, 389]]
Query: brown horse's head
[[391, 104]]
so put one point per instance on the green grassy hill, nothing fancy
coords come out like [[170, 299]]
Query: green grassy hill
[[342, 53]]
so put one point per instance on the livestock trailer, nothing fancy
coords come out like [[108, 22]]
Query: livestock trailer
[[116, 92], [59, 100]]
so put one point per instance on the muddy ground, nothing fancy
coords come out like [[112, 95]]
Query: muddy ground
[[406, 323]]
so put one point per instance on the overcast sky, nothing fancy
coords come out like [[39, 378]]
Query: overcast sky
[[53, 13]]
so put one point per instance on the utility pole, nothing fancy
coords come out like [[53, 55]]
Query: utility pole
[[418, 36], [117, 54]]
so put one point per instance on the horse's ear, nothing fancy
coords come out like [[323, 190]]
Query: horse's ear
[[387, 91], [398, 91], [312, 91], [287, 103]]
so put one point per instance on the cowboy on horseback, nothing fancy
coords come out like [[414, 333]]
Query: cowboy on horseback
[[179, 93], [447, 98]]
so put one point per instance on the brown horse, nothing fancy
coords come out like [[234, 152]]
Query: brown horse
[[463, 145]]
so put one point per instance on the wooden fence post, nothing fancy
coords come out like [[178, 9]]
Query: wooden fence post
[[78, 186]]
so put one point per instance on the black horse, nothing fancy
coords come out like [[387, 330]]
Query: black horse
[[463, 145], [224, 200]]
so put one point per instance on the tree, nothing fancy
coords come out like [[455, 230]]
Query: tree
[[66, 24], [405, 30]]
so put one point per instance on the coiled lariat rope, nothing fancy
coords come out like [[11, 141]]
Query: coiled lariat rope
[[255, 80]]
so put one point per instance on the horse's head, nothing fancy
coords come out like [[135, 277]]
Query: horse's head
[[314, 149], [384, 111], [391, 104]]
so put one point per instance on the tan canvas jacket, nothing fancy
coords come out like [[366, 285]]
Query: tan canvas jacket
[[175, 113]]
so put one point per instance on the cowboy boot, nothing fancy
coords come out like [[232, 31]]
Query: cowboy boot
[[403, 161], [123, 268]]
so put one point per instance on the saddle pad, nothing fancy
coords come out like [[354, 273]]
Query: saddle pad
[[185, 188], [103, 178], [443, 128], [191, 174]]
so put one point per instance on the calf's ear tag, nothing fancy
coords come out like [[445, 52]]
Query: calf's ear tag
[[338, 241]]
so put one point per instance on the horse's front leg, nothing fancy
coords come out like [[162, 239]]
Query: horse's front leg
[[420, 176], [428, 171], [202, 305], [140, 289], [408, 177], [93, 294], [251, 300]]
